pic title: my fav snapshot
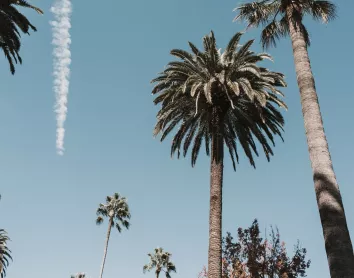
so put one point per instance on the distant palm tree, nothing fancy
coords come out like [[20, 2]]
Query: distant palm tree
[[221, 98], [5, 253], [335, 230], [117, 210], [79, 275], [11, 22], [161, 261]]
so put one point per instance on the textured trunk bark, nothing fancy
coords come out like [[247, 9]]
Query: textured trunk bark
[[335, 231], [106, 247], [1, 265], [215, 217]]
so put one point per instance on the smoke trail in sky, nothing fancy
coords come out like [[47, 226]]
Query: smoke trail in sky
[[61, 10]]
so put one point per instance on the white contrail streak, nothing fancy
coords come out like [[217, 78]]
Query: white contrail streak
[[61, 10]]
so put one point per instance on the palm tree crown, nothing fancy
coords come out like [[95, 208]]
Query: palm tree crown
[[79, 275], [5, 253], [117, 209], [161, 261], [273, 16], [210, 85], [11, 21]]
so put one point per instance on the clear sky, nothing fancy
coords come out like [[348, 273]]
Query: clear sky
[[48, 202]]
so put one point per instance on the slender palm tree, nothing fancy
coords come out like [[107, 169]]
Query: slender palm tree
[[5, 253], [281, 18], [219, 98], [11, 23], [161, 261], [117, 211]]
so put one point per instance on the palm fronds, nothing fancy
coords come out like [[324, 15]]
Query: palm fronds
[[245, 95], [274, 16], [79, 275], [11, 23], [160, 260], [116, 207], [5, 253]]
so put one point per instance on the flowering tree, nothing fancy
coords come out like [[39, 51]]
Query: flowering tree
[[254, 257]]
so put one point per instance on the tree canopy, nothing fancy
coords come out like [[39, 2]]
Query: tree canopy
[[116, 208], [12, 22], [273, 15], [245, 96], [252, 256], [160, 260]]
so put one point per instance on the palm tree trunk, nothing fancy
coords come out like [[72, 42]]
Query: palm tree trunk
[[215, 217], [1, 265], [335, 230], [106, 246]]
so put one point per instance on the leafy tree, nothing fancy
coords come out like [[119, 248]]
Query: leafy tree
[[161, 261], [117, 210], [281, 18], [5, 253], [254, 257], [221, 99], [12, 22]]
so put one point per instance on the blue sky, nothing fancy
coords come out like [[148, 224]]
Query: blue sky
[[49, 202]]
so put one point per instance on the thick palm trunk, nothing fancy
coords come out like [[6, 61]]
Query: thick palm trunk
[[106, 246], [336, 235], [215, 217]]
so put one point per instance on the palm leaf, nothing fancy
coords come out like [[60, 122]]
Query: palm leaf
[[322, 10]]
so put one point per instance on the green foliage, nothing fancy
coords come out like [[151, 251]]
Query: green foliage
[[161, 261], [252, 256], [117, 209], [11, 23], [273, 16], [244, 96], [5, 253]]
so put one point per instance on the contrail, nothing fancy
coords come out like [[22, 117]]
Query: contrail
[[61, 10]]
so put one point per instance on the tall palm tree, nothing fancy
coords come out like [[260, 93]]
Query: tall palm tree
[[5, 253], [117, 210], [221, 98], [281, 18], [161, 261], [11, 23]]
